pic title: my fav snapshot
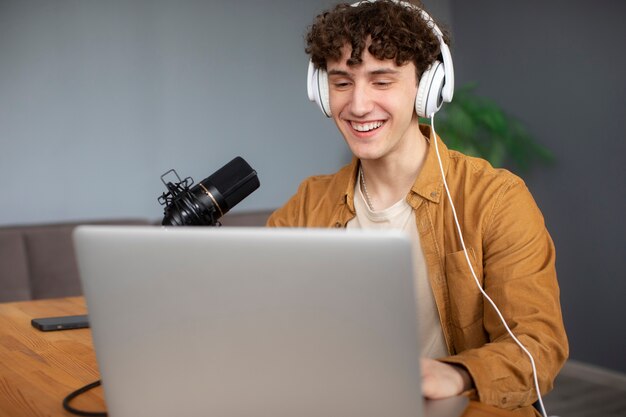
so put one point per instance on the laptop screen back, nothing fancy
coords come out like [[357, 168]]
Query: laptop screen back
[[252, 322]]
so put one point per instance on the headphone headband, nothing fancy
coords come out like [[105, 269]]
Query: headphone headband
[[436, 84]]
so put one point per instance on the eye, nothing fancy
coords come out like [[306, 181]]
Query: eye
[[341, 84], [382, 83]]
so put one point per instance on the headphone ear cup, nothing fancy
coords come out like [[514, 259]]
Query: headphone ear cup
[[324, 95], [429, 100], [317, 88]]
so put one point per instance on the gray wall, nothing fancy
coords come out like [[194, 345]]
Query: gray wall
[[559, 66], [99, 98]]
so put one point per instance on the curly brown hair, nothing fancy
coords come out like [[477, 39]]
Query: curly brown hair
[[396, 32]]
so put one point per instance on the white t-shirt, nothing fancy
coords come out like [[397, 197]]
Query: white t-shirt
[[400, 216]]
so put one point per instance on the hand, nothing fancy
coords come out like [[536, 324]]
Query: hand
[[441, 380]]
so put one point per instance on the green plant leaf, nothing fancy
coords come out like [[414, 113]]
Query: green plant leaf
[[479, 127]]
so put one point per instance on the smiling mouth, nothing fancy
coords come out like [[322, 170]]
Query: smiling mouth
[[366, 127]]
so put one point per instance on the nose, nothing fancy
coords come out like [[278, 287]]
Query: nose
[[362, 101]]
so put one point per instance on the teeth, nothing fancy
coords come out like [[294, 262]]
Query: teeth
[[366, 127]]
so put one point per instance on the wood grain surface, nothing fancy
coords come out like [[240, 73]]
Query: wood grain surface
[[39, 369]]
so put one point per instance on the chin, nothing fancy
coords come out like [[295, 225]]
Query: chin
[[368, 148], [364, 154]]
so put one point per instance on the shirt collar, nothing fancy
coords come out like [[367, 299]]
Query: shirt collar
[[349, 193], [429, 184]]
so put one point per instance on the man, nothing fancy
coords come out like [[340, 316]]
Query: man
[[374, 55]]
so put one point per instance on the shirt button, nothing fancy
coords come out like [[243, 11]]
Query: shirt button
[[338, 224], [433, 194]]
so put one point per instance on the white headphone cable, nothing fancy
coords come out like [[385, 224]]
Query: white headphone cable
[[458, 227]]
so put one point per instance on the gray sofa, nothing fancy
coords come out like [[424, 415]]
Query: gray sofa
[[38, 261]]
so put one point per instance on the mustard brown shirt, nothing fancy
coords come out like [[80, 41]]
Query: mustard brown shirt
[[511, 252]]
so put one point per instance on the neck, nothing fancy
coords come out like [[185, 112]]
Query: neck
[[388, 180]]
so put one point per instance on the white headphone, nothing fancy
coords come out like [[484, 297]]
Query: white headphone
[[435, 86]]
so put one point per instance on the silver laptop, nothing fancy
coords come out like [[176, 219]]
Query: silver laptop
[[252, 322]]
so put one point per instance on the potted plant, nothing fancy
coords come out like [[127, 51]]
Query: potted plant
[[479, 127]]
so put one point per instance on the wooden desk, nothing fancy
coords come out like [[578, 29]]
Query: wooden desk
[[38, 369]]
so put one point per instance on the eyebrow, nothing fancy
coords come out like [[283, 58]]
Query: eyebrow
[[380, 71]]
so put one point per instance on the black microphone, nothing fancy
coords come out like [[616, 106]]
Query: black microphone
[[211, 198]]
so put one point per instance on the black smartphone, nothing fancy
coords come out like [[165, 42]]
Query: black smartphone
[[60, 323]]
